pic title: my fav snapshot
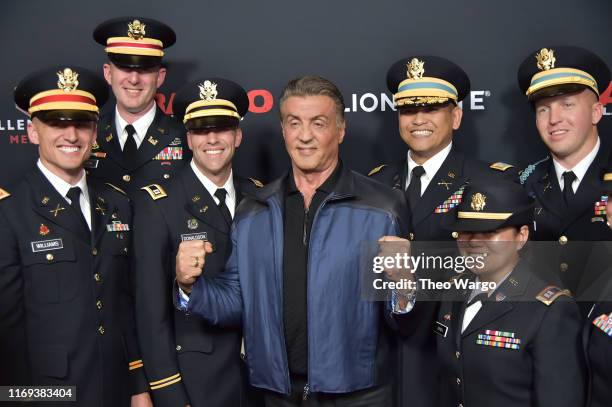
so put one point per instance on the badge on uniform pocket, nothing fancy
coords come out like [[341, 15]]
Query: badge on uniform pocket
[[46, 245], [450, 202], [117, 226], [600, 206], [499, 339], [604, 322], [440, 329], [170, 153]]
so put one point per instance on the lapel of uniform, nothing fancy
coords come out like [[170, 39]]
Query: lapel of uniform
[[238, 189], [53, 207], [500, 302], [200, 203], [457, 314], [157, 138], [101, 212], [549, 193], [589, 190], [447, 180], [108, 139]]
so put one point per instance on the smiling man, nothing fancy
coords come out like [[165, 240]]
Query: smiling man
[[293, 278], [563, 85], [67, 315], [188, 361], [137, 143], [427, 91]]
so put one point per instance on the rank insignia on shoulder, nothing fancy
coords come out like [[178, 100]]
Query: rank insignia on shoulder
[[499, 339], [551, 293], [155, 191], [499, 166], [257, 182], [604, 322], [116, 188], [4, 194], [376, 169]]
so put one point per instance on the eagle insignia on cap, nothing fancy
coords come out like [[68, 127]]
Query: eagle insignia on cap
[[546, 59], [208, 90], [68, 80], [136, 30], [415, 69], [478, 202]]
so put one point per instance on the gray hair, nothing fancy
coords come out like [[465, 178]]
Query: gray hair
[[312, 85]]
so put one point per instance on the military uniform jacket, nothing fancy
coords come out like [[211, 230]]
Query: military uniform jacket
[[517, 351], [584, 220], [597, 336], [443, 193], [429, 218], [162, 152], [66, 311], [186, 360]]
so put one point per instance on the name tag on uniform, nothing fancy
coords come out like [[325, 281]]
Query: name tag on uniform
[[194, 236], [46, 245], [440, 329], [91, 163]]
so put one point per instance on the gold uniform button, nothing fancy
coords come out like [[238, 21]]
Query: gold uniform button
[[563, 240], [127, 178], [411, 236], [94, 251], [101, 330], [457, 354], [166, 176], [99, 304], [460, 405], [455, 235], [563, 267], [97, 277], [458, 382], [179, 347], [49, 256]]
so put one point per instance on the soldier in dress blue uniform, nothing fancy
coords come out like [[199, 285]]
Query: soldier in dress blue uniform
[[563, 85], [517, 343], [67, 313], [427, 91], [137, 143], [187, 361], [597, 334]]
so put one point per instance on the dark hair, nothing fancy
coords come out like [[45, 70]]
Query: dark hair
[[312, 85]]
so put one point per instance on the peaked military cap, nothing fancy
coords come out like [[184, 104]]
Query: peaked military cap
[[426, 80], [562, 69], [63, 92], [211, 103], [493, 203], [134, 42]]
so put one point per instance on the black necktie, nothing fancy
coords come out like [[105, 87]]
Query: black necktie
[[221, 194], [129, 148], [480, 297], [74, 194], [568, 191], [414, 188]]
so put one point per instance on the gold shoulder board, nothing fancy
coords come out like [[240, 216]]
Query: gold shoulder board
[[377, 169], [155, 191], [4, 194], [116, 188], [257, 182], [499, 166], [551, 293]]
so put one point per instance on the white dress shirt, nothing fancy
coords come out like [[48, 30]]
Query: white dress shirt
[[579, 169], [141, 126], [62, 187], [430, 166], [472, 309], [230, 199]]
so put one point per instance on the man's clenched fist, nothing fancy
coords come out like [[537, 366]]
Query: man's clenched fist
[[190, 261]]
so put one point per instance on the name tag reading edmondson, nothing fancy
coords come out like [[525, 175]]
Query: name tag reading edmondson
[[194, 236]]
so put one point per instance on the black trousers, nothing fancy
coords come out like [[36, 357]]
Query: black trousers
[[378, 396]]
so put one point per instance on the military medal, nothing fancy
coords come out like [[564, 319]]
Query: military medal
[[192, 224], [499, 339], [43, 230]]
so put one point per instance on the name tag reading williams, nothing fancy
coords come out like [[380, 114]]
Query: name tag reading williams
[[194, 236], [46, 245]]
